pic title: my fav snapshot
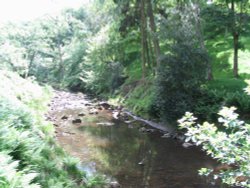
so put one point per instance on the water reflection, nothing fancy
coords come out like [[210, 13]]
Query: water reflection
[[145, 160], [119, 150]]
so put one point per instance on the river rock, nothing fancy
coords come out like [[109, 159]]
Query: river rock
[[55, 125], [114, 184], [116, 114], [142, 162], [166, 135], [128, 122], [142, 129], [77, 121], [150, 130], [64, 117], [187, 145], [130, 126], [105, 123], [105, 105], [81, 114], [93, 111], [111, 108], [48, 118], [99, 108], [179, 136]]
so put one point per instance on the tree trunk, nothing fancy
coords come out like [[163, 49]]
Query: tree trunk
[[61, 66], [153, 58], [236, 50], [155, 39], [31, 59], [199, 33], [143, 38], [236, 41]]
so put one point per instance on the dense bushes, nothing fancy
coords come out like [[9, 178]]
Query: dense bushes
[[210, 101], [105, 78], [179, 78]]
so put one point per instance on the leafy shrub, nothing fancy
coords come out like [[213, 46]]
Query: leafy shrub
[[179, 79], [231, 147], [207, 104], [183, 68], [239, 100], [11, 177], [210, 101]]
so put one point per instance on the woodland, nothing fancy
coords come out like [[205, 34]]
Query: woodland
[[179, 62]]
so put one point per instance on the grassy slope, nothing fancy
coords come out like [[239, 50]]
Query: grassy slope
[[221, 53], [29, 156], [139, 95]]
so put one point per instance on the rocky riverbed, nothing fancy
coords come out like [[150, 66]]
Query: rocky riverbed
[[124, 148]]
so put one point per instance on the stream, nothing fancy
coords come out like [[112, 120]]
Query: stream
[[122, 151]]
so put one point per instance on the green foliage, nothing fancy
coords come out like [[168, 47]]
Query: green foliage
[[210, 101], [97, 48], [182, 70], [247, 89], [105, 57], [11, 177], [29, 156], [50, 49], [231, 147], [140, 99], [207, 103], [239, 100]]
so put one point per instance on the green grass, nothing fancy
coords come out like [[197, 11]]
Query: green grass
[[134, 72], [220, 50], [227, 85]]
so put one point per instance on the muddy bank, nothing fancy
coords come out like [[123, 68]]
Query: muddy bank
[[126, 151]]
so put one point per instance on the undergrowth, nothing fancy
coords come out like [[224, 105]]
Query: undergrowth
[[29, 156]]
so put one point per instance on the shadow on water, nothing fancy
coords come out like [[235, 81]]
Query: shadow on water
[[138, 159], [123, 152]]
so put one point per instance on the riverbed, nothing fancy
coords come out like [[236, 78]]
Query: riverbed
[[122, 151]]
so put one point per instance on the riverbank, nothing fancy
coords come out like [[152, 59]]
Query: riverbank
[[128, 153], [29, 155]]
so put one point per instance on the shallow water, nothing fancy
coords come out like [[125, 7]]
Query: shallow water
[[121, 151]]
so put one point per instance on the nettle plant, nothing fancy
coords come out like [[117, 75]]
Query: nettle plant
[[230, 145]]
